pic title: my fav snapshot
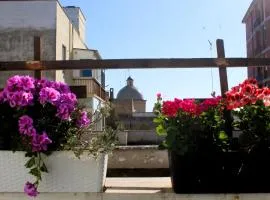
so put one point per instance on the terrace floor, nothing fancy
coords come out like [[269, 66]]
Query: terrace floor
[[138, 185], [136, 189]]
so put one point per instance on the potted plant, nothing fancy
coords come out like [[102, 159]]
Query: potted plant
[[195, 138], [40, 124], [250, 107]]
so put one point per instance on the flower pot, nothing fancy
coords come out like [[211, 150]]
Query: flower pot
[[255, 174], [66, 172], [2, 143], [196, 173], [231, 172]]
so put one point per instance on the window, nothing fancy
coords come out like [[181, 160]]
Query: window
[[64, 52], [86, 73]]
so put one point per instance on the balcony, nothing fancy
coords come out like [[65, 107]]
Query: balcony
[[93, 88]]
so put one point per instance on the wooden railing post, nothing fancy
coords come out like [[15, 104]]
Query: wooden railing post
[[37, 55], [222, 68], [224, 85]]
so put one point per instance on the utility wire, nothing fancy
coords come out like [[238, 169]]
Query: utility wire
[[212, 77]]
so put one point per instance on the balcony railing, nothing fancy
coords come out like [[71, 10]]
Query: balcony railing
[[93, 87]]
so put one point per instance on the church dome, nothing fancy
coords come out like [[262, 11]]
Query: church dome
[[129, 91]]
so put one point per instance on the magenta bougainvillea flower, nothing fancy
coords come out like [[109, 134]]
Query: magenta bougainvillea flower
[[30, 189], [48, 95], [66, 105], [83, 120], [26, 126], [40, 142]]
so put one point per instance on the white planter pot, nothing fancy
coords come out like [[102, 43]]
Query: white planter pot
[[66, 172]]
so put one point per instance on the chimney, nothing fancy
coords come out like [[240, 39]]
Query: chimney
[[77, 19], [111, 94]]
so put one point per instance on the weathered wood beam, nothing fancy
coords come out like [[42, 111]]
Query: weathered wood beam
[[134, 63], [224, 85], [37, 55], [222, 68]]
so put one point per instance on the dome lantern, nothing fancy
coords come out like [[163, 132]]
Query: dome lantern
[[129, 91]]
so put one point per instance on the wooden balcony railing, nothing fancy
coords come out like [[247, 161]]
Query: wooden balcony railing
[[221, 62], [93, 87]]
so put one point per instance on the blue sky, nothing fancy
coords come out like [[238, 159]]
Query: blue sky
[[166, 29]]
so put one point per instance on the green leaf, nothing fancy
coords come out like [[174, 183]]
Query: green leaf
[[157, 120], [29, 154], [160, 130], [170, 140], [35, 172], [30, 163], [44, 168], [222, 135]]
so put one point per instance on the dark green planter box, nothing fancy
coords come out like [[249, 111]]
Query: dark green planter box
[[219, 173]]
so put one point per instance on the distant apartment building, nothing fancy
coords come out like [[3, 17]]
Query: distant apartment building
[[257, 20], [62, 33]]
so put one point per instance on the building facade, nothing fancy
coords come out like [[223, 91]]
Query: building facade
[[257, 21], [62, 33]]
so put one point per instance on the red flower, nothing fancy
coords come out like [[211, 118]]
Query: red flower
[[209, 103], [246, 93], [171, 108]]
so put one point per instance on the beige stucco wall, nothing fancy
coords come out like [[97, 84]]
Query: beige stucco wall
[[82, 28], [127, 106], [63, 37], [68, 36], [19, 23], [139, 105]]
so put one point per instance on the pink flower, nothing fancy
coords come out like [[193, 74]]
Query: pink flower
[[14, 84], [27, 83], [30, 189], [42, 83], [40, 142], [61, 87], [66, 105], [26, 126], [19, 99], [49, 95], [64, 111], [83, 120]]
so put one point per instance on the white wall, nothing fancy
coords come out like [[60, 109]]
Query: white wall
[[133, 194], [24, 14], [86, 54]]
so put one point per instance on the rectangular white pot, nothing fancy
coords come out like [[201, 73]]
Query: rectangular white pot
[[66, 172]]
